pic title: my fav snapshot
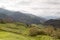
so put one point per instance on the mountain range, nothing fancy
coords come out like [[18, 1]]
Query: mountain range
[[17, 16]]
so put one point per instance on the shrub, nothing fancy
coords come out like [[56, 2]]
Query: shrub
[[58, 33], [49, 30], [33, 31]]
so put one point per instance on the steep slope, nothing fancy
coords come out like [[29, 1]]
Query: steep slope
[[22, 17]]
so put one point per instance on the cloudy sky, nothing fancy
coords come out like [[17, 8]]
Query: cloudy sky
[[36, 7]]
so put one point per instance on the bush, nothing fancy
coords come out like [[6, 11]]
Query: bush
[[49, 30], [58, 33], [33, 31]]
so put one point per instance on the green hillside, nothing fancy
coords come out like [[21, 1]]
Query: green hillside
[[20, 31], [12, 36]]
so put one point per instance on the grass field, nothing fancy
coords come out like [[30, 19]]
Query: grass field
[[12, 32], [12, 36]]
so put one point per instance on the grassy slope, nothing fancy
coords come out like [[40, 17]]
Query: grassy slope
[[13, 36]]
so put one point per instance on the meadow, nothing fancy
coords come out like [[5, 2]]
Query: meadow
[[20, 31]]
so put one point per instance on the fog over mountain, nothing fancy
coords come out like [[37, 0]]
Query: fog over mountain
[[17, 16], [37, 7]]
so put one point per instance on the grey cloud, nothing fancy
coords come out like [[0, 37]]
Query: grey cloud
[[36, 7], [25, 2], [55, 2]]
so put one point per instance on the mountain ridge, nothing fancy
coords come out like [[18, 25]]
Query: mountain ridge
[[22, 17]]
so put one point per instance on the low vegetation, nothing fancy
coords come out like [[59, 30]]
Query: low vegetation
[[21, 31]]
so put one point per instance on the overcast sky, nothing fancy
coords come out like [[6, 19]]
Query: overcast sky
[[36, 7]]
